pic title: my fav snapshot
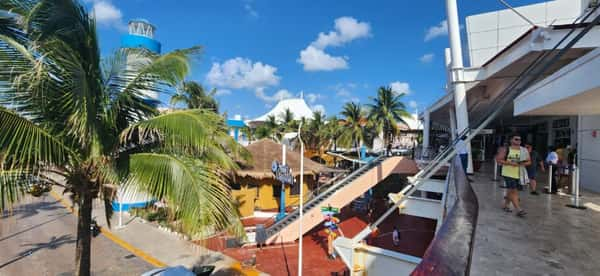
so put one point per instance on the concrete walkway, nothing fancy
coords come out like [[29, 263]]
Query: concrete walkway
[[551, 240], [162, 247]]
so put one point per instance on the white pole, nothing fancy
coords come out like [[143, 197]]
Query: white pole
[[578, 160], [550, 178], [282, 154], [120, 212], [426, 129], [301, 200], [460, 94]]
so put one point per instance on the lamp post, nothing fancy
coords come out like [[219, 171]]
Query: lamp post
[[301, 200]]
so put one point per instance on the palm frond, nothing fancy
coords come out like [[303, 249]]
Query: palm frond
[[198, 191], [24, 144]]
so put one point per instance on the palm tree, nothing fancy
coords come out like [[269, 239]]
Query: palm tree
[[65, 111], [314, 132], [386, 111], [192, 94], [269, 129], [334, 129], [354, 125], [288, 123]]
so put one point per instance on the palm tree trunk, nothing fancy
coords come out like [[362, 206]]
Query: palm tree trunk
[[84, 219]]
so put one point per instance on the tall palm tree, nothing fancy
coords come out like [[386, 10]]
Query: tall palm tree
[[334, 129], [192, 94], [386, 111], [65, 111], [354, 125]]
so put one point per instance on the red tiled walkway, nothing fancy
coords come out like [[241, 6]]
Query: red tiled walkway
[[416, 234]]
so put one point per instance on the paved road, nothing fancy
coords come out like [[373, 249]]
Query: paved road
[[38, 238]]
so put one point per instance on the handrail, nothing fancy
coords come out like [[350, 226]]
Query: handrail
[[331, 188], [451, 250]]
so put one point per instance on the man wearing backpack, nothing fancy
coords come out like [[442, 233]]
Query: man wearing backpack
[[513, 158]]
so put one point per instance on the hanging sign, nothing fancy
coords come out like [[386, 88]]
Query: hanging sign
[[283, 173]]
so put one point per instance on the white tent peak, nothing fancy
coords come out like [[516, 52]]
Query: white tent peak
[[296, 105]]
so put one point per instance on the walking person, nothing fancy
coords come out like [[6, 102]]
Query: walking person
[[532, 168], [552, 161], [512, 159], [463, 152], [396, 236]]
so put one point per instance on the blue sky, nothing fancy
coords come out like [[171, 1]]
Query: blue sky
[[259, 51]]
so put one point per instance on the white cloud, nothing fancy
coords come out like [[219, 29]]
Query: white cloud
[[241, 73], [282, 94], [107, 14], [400, 87], [320, 108], [427, 58], [412, 104], [315, 59], [222, 92], [249, 9], [438, 30], [346, 29]]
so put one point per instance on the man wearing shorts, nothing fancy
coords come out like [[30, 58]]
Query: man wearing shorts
[[512, 159]]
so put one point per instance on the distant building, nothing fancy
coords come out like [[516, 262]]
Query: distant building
[[559, 109], [235, 126]]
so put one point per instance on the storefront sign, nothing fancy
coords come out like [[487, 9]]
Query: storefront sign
[[283, 173]]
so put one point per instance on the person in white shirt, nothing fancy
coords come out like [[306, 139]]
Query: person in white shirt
[[463, 153], [552, 162]]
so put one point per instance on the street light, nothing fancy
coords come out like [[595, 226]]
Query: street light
[[301, 199]]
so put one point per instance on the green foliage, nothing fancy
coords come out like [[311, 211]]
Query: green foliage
[[66, 110], [192, 94], [386, 111]]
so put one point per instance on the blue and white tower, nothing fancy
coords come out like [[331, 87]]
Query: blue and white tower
[[141, 35]]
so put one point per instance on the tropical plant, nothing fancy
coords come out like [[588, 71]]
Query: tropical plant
[[269, 129], [386, 111], [354, 123], [66, 112], [192, 94], [314, 132], [287, 122], [334, 129]]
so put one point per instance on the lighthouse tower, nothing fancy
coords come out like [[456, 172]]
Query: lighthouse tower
[[141, 35]]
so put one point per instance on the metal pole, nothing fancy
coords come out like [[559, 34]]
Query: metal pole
[[575, 172], [120, 213], [550, 173], [301, 200]]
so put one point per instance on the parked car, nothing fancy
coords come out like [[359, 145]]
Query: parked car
[[181, 271]]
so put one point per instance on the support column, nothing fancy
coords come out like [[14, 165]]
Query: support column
[[452, 119], [426, 129], [460, 95]]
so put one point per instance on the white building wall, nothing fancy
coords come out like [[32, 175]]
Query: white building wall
[[590, 153], [489, 33]]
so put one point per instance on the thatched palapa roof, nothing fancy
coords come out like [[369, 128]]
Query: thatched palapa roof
[[266, 150]]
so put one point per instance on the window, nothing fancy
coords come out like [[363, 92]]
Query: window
[[560, 123], [276, 191], [295, 189]]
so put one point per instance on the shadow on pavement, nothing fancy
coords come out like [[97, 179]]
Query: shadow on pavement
[[52, 244]]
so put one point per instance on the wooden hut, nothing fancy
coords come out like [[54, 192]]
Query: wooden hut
[[255, 187]]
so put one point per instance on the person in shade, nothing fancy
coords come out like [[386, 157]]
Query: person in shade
[[396, 236], [552, 160], [512, 159], [532, 168], [463, 154]]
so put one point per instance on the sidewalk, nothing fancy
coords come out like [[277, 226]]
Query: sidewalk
[[160, 248]]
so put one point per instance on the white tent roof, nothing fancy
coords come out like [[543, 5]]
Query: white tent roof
[[413, 122], [298, 106]]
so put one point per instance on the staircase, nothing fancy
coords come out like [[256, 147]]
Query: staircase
[[338, 195]]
